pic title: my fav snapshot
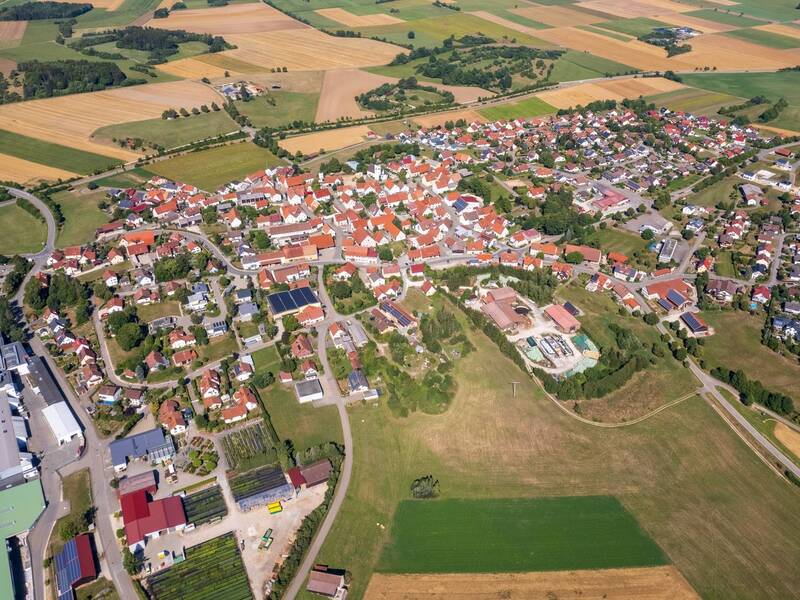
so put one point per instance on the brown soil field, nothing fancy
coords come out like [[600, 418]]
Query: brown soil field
[[704, 25], [780, 29], [233, 18], [339, 89], [334, 139], [727, 53], [487, 16], [656, 583], [433, 120], [23, 171], [7, 65], [308, 50], [71, 120], [344, 17], [11, 31], [788, 437], [634, 8], [557, 16], [617, 89]]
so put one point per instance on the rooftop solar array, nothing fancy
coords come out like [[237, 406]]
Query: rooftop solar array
[[676, 298], [693, 322], [68, 569], [399, 316], [665, 304], [282, 302], [571, 309]]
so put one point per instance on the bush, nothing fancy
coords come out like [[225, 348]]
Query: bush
[[425, 487]]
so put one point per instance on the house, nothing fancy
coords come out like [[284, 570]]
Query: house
[[310, 315], [246, 311], [301, 347], [171, 417], [327, 582], [155, 361], [184, 358], [761, 294], [178, 339], [722, 290], [74, 565], [145, 519], [357, 381], [109, 394]]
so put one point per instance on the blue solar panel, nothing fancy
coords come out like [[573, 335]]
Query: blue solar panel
[[693, 323], [665, 304], [676, 298], [570, 308], [68, 569], [401, 319], [281, 302]]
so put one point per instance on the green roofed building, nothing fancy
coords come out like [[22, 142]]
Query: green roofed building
[[20, 506]]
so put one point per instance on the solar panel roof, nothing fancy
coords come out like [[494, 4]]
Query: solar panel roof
[[676, 298], [665, 304], [281, 302], [68, 569], [693, 322]]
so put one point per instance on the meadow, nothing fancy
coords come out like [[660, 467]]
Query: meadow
[[530, 107], [720, 530], [288, 107], [766, 38], [574, 65], [696, 101], [724, 17], [171, 133], [23, 233], [55, 155], [212, 168], [81, 216], [785, 84], [516, 534]]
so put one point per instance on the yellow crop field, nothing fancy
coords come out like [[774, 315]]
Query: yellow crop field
[[788, 437], [193, 68], [232, 18], [436, 119], [728, 53], [780, 29], [105, 4], [344, 17], [615, 89], [11, 31], [71, 120], [487, 16], [308, 50], [635, 8], [339, 89], [652, 583], [333, 139], [557, 16], [703, 25], [24, 172]]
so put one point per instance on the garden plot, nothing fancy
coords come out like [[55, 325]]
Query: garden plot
[[249, 447], [205, 506]]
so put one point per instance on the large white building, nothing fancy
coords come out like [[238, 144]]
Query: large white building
[[62, 422]]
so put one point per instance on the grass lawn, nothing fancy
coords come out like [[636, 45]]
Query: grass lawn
[[617, 240], [304, 424], [23, 233], [518, 534], [212, 168], [574, 65], [150, 312], [53, 155], [527, 447], [219, 348], [788, 119], [170, 133], [81, 216], [288, 107], [785, 84], [267, 359], [723, 17], [77, 491], [765, 38], [723, 265], [737, 345], [715, 193], [133, 178], [99, 589], [530, 107]]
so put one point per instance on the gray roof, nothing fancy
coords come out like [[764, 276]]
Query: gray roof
[[309, 387], [248, 308], [140, 445], [44, 380], [12, 355]]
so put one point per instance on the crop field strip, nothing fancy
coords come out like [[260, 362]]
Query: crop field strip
[[55, 155], [212, 570], [24, 171], [204, 506], [516, 535], [248, 447]]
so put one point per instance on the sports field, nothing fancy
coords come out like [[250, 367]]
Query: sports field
[[212, 168], [22, 232], [507, 535]]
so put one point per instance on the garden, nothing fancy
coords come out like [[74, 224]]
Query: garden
[[205, 506], [249, 447], [202, 455]]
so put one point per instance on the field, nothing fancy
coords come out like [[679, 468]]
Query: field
[[617, 89], [789, 438], [573, 65], [339, 89], [249, 447], [693, 100], [311, 143], [23, 233], [77, 493], [11, 32], [718, 530], [792, 31], [211, 570], [81, 216], [24, 172], [55, 155], [170, 133], [252, 17], [557, 16], [508, 535], [698, 23], [73, 119], [724, 17], [347, 18], [766, 38], [212, 168], [530, 107], [654, 583], [288, 107], [616, 240], [772, 85], [151, 312], [632, 27], [218, 348], [204, 506], [737, 329]]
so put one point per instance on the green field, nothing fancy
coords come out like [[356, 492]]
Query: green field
[[742, 331], [773, 10], [77, 493], [133, 178], [54, 155], [574, 65], [633, 27], [513, 535], [765, 38], [289, 107], [715, 193], [23, 233], [693, 100], [530, 107], [81, 216], [693, 486], [723, 17], [151, 312], [616, 240], [170, 133], [212, 168]]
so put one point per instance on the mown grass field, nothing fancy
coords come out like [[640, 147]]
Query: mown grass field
[[54, 155], [289, 107], [212, 168], [736, 344], [633, 27], [723, 17], [574, 65], [616, 240], [766, 38], [693, 486], [22, 232], [694, 100], [784, 84], [81, 217], [170, 133], [509, 535], [530, 107]]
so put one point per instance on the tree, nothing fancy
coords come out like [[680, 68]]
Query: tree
[[290, 323], [131, 562], [648, 234], [425, 487], [385, 253], [340, 290], [102, 291], [574, 258], [263, 379], [411, 35], [651, 318], [129, 336]]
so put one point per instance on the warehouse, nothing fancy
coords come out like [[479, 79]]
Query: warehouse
[[62, 422], [564, 321], [152, 444]]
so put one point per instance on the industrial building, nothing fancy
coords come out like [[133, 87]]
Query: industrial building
[[62, 422], [152, 445], [21, 505], [74, 566]]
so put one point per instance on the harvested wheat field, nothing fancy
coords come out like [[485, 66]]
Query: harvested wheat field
[[557, 16], [703, 25], [104, 4], [7, 65], [339, 89], [616, 89], [487, 16], [344, 17], [334, 139], [778, 130], [308, 50], [780, 29], [436, 119], [305, 82], [11, 31], [233, 18], [728, 53], [193, 68], [71, 120], [655, 583], [635, 8], [24, 172], [788, 437]]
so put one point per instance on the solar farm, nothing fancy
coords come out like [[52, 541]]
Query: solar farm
[[283, 303], [212, 570]]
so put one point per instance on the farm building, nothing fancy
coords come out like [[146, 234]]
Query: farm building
[[562, 318], [327, 582], [695, 324], [260, 487], [22, 504], [145, 519], [75, 565], [153, 445], [498, 305], [143, 481], [309, 390]]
